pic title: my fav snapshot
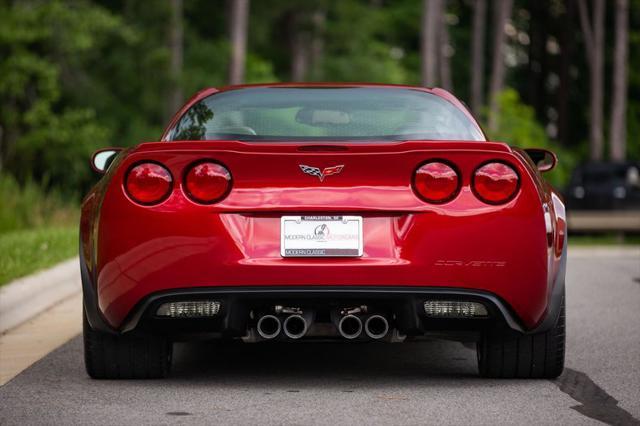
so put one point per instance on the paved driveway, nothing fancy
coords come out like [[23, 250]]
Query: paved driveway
[[413, 383]]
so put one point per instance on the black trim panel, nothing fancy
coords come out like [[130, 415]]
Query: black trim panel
[[369, 292]]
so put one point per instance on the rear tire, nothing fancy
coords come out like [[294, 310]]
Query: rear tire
[[109, 356], [529, 356]]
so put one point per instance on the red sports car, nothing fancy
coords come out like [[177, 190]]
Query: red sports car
[[353, 212]]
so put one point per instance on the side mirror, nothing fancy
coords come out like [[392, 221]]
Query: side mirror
[[102, 158], [544, 159]]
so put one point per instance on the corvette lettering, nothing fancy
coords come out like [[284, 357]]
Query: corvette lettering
[[472, 263]]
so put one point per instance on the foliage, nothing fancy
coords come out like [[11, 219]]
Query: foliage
[[27, 251], [29, 206], [76, 75], [45, 44], [517, 126]]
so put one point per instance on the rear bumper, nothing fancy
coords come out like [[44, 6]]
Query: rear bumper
[[405, 306], [404, 303]]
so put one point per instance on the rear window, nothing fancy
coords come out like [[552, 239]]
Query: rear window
[[349, 113]]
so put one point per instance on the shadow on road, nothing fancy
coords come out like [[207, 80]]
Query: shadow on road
[[330, 362], [299, 383]]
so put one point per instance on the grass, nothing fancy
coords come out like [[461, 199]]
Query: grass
[[38, 228], [25, 251], [32, 206], [607, 239]]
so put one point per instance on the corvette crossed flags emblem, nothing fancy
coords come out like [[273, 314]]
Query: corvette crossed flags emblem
[[321, 174]]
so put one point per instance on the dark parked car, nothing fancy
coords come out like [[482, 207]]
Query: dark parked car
[[605, 186]]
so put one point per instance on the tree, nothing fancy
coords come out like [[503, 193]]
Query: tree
[[299, 43], [238, 34], [502, 14], [477, 55], [45, 47], [446, 50], [540, 32], [431, 25], [319, 20], [175, 56], [617, 135], [567, 41], [593, 31]]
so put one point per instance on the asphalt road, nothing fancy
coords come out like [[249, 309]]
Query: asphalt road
[[413, 383]]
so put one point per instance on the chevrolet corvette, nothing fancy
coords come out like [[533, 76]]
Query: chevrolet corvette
[[323, 212]]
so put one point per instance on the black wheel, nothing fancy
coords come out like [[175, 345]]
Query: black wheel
[[534, 356], [108, 356]]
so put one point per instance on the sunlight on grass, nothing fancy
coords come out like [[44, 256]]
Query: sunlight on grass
[[26, 251]]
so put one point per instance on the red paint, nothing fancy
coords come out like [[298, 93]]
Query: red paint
[[463, 243]]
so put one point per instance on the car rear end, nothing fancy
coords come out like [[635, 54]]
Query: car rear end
[[316, 240]]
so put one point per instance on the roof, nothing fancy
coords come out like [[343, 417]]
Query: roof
[[325, 84]]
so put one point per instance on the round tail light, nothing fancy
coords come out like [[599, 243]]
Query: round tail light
[[148, 183], [436, 182], [495, 183], [207, 182]]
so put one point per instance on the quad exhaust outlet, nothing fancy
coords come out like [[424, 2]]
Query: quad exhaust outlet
[[269, 327], [350, 326], [295, 326], [294, 323], [376, 327]]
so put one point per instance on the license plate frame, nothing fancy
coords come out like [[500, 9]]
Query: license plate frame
[[305, 236]]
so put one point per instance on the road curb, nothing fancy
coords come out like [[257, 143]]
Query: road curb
[[24, 298]]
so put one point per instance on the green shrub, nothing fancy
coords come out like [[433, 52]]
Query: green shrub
[[518, 126], [29, 206]]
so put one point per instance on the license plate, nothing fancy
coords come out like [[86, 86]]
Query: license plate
[[321, 236]]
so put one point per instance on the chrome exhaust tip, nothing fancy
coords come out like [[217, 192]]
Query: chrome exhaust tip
[[295, 326], [350, 326], [269, 326], [376, 326]]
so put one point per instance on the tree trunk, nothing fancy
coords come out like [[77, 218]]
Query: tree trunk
[[597, 82], [175, 55], [1, 147], [593, 30], [238, 35], [564, 91], [299, 46], [477, 55], [618, 134], [319, 20], [431, 16], [502, 14], [538, 57], [446, 50]]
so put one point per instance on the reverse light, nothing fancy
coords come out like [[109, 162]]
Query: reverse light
[[207, 182], [148, 183], [454, 309], [436, 182], [189, 309], [495, 183]]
